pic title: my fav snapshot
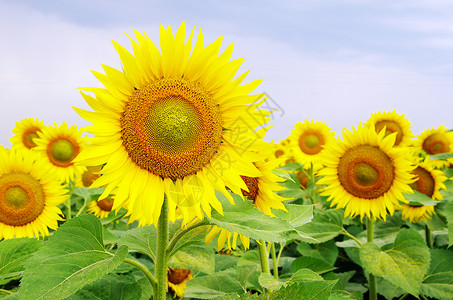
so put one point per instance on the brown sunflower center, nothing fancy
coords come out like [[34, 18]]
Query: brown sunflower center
[[252, 185], [22, 199], [303, 178], [279, 153], [177, 276], [28, 136], [366, 172], [425, 183], [436, 143], [62, 151], [311, 142], [90, 175], [171, 128], [390, 127], [105, 204]]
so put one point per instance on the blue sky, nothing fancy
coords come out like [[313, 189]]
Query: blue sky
[[333, 61]]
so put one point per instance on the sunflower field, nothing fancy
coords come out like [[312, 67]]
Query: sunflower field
[[173, 193]]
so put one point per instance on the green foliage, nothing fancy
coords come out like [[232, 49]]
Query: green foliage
[[438, 283], [325, 226], [449, 217]]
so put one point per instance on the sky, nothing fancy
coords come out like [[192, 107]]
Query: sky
[[334, 61]]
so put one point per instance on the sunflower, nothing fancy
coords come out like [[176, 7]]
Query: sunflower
[[308, 140], [365, 174], [435, 141], [3, 149], [25, 132], [60, 145], [101, 208], [417, 214], [393, 122], [261, 191], [89, 175], [176, 280], [29, 196], [173, 122]]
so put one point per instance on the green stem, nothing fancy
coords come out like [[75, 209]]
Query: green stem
[[5, 291], [181, 233], [68, 209], [144, 270], [372, 279], [81, 209], [428, 236], [404, 296], [345, 232], [264, 257], [274, 260], [160, 293]]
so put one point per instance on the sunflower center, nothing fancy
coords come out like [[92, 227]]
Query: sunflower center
[[177, 276], [28, 136], [425, 183], [311, 143], [105, 204], [303, 178], [366, 172], [390, 127], [21, 199], [90, 175], [252, 185], [171, 128], [436, 143], [61, 152]]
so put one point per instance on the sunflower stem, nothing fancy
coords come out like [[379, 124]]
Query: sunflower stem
[[274, 260], [5, 291], [428, 236], [345, 232], [160, 292], [68, 209], [144, 270], [371, 278], [264, 257], [181, 233]]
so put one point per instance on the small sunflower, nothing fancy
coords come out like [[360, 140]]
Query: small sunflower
[[25, 132], [365, 174], [176, 280], [308, 140], [101, 208], [435, 141], [226, 237], [29, 196], [60, 145], [173, 122], [417, 214], [393, 122], [89, 176]]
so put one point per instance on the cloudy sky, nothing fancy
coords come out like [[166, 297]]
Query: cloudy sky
[[335, 61]]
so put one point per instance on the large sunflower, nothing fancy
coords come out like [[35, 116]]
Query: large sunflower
[[59, 145], [435, 141], [174, 122], [365, 174], [393, 122], [308, 140], [29, 196], [25, 132]]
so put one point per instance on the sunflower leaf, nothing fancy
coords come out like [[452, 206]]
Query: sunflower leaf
[[73, 257], [438, 283], [141, 239], [419, 199], [195, 258], [283, 174], [404, 265], [316, 265], [449, 216], [325, 226], [441, 156], [14, 253]]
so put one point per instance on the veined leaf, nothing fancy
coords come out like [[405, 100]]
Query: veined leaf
[[438, 283], [419, 199], [195, 258], [141, 239], [449, 216], [325, 226]]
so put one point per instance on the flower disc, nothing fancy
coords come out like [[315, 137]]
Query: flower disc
[[435, 141], [101, 208], [25, 132], [176, 280]]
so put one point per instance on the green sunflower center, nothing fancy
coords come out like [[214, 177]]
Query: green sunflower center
[[436, 143], [171, 128], [252, 185], [22, 199], [366, 172], [425, 183], [391, 127], [61, 152], [311, 142], [28, 136]]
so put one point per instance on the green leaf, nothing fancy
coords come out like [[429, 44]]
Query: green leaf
[[292, 167], [194, 236], [419, 199], [303, 275], [327, 251], [441, 156], [195, 258], [283, 174], [223, 262], [404, 265], [14, 253], [325, 226], [141, 239], [110, 287], [314, 264], [438, 283], [449, 216], [219, 284], [269, 282], [297, 215], [245, 219], [71, 258], [313, 290], [250, 257], [114, 216]]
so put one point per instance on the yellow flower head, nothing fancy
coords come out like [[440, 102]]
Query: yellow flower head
[[393, 122], [29, 196], [173, 122], [308, 140], [59, 145], [365, 174], [25, 132], [429, 181], [101, 208], [176, 280], [435, 141], [416, 214]]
